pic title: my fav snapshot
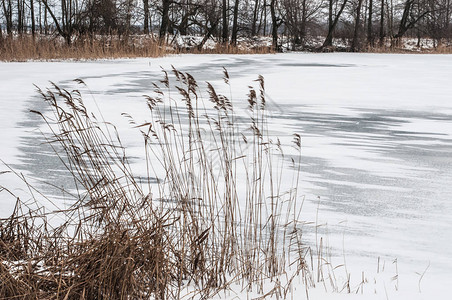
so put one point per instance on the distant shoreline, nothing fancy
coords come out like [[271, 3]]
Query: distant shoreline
[[25, 47]]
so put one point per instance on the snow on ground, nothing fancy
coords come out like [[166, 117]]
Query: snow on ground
[[376, 133], [311, 42]]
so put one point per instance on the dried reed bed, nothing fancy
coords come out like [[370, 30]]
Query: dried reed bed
[[211, 211], [42, 47]]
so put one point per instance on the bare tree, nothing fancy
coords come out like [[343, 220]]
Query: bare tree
[[276, 22], [226, 20], [225, 30], [186, 15], [333, 19], [370, 38], [20, 16], [355, 42], [211, 18], [146, 21], [382, 23], [32, 16], [234, 23], [297, 15], [8, 13], [165, 18], [255, 17], [63, 28], [410, 17]]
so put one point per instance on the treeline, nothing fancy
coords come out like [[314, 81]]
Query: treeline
[[362, 23]]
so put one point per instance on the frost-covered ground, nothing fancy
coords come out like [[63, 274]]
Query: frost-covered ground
[[377, 145]]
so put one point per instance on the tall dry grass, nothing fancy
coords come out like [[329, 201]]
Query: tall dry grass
[[211, 212], [42, 47]]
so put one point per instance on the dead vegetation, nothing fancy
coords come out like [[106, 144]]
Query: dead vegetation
[[210, 213], [42, 47]]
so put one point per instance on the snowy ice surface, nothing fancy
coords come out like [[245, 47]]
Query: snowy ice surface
[[377, 142]]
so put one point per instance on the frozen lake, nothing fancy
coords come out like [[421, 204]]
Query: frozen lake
[[376, 136]]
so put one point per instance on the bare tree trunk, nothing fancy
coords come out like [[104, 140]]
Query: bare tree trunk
[[46, 25], [275, 24], [355, 43], [447, 23], [19, 17], [40, 17], [390, 19], [370, 39], [329, 38], [129, 8], [225, 21], [382, 23], [146, 16], [8, 13], [165, 19], [403, 27], [303, 22], [234, 23], [265, 17], [255, 15], [63, 15], [32, 13]]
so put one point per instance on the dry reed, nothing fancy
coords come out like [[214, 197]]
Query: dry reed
[[42, 47], [215, 215]]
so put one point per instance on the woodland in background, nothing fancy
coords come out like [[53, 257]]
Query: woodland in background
[[363, 24]]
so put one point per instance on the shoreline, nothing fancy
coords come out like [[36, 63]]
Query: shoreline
[[47, 49]]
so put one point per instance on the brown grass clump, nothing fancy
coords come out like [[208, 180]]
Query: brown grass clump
[[51, 264], [211, 211]]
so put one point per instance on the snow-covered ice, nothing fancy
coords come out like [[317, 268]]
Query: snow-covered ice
[[377, 142]]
